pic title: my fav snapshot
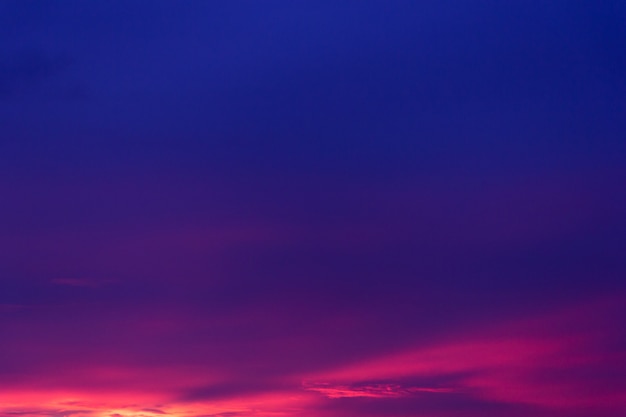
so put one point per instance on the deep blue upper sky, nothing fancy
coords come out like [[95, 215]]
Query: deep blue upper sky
[[344, 88]]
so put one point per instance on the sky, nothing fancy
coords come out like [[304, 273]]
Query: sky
[[312, 208]]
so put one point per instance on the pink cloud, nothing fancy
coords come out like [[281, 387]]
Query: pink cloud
[[561, 361], [556, 363], [381, 390]]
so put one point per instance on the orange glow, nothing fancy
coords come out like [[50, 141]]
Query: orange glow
[[370, 390], [114, 404]]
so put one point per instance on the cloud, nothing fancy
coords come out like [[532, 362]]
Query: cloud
[[9, 308], [555, 362], [82, 282], [45, 412], [380, 390], [550, 365]]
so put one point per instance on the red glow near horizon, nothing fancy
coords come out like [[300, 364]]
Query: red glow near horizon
[[529, 362]]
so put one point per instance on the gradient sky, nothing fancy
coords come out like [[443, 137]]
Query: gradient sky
[[313, 208]]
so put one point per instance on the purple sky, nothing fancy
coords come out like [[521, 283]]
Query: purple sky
[[312, 209]]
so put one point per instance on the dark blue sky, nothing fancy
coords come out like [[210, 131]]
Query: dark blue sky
[[315, 208], [350, 88]]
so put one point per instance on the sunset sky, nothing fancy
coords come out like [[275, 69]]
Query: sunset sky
[[324, 208]]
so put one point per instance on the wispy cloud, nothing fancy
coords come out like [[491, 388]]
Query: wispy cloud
[[8, 308], [82, 282], [45, 412], [381, 390], [544, 362], [553, 364]]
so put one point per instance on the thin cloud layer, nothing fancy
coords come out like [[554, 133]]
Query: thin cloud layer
[[554, 364], [559, 362]]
